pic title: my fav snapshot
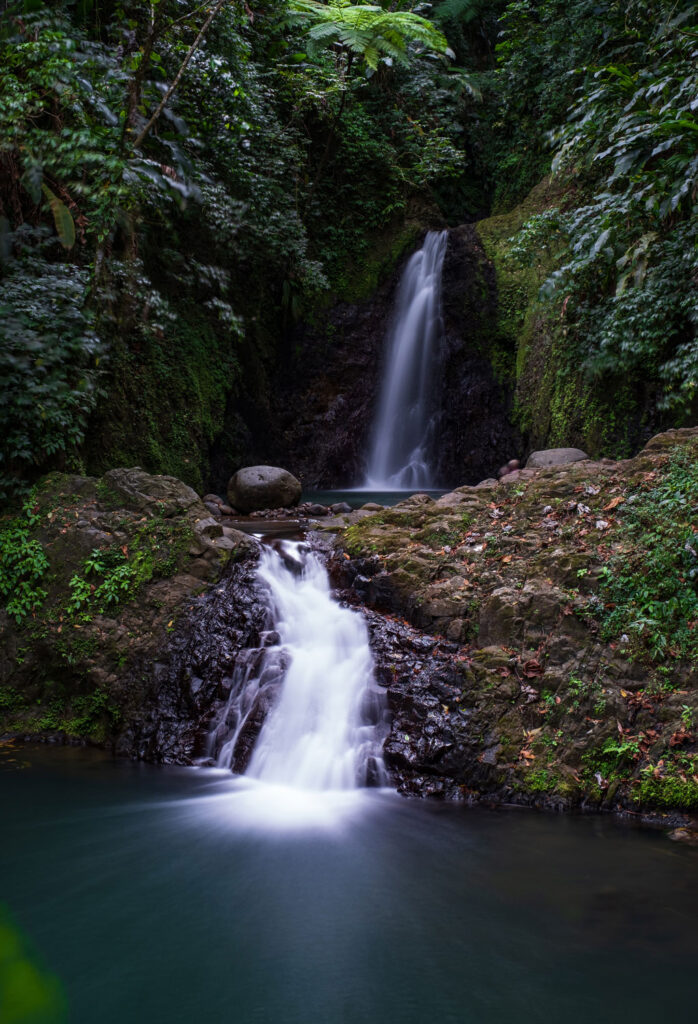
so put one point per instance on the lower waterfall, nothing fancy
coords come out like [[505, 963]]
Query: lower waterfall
[[327, 719]]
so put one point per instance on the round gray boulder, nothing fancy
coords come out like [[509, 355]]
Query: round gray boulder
[[257, 487], [555, 457]]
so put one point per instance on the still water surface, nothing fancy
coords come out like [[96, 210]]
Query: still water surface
[[174, 895]]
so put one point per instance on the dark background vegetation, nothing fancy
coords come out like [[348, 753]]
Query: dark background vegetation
[[151, 289]]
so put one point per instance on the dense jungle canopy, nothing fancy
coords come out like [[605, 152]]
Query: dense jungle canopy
[[183, 184]]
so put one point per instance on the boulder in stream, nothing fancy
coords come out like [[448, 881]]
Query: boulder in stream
[[260, 487]]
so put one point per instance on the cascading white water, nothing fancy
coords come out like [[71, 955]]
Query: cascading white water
[[326, 726], [399, 456]]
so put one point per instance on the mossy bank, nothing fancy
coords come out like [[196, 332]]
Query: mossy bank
[[565, 604], [96, 576]]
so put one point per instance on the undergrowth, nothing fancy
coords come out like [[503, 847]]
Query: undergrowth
[[650, 586]]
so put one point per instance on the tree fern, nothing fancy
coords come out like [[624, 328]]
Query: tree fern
[[366, 30]]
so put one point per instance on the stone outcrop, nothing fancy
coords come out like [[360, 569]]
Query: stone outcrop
[[555, 457], [529, 700], [133, 560], [486, 612]]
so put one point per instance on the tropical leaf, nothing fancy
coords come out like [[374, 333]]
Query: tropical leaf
[[62, 217]]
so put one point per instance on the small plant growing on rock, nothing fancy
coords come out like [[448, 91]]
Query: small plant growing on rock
[[23, 564]]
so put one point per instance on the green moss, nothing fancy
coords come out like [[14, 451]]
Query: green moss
[[554, 404], [359, 278], [92, 716], [670, 790], [167, 398]]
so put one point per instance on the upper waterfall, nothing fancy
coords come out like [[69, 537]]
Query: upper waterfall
[[402, 434]]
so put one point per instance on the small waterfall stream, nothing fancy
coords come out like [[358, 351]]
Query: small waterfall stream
[[402, 436], [313, 677]]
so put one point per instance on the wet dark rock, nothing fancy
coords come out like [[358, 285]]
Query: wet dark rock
[[194, 672], [339, 507], [244, 746]]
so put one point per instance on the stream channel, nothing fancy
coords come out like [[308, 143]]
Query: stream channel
[[297, 896]]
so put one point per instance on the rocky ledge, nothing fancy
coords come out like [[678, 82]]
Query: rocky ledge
[[108, 574], [561, 608], [537, 636]]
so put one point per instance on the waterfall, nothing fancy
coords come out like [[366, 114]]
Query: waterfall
[[326, 724], [403, 428]]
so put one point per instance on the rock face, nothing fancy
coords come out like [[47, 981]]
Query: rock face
[[555, 457], [260, 487], [486, 612], [329, 390]]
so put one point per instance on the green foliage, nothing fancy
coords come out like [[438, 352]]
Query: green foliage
[[28, 993], [368, 31], [528, 95], [651, 587], [304, 147], [118, 578], [23, 564], [60, 95], [49, 367], [632, 137], [113, 575], [671, 785], [626, 251]]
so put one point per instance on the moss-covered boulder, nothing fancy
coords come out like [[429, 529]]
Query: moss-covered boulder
[[96, 577]]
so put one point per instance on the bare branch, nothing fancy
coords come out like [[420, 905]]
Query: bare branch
[[175, 82]]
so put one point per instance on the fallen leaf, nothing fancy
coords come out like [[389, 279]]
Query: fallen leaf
[[614, 503]]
